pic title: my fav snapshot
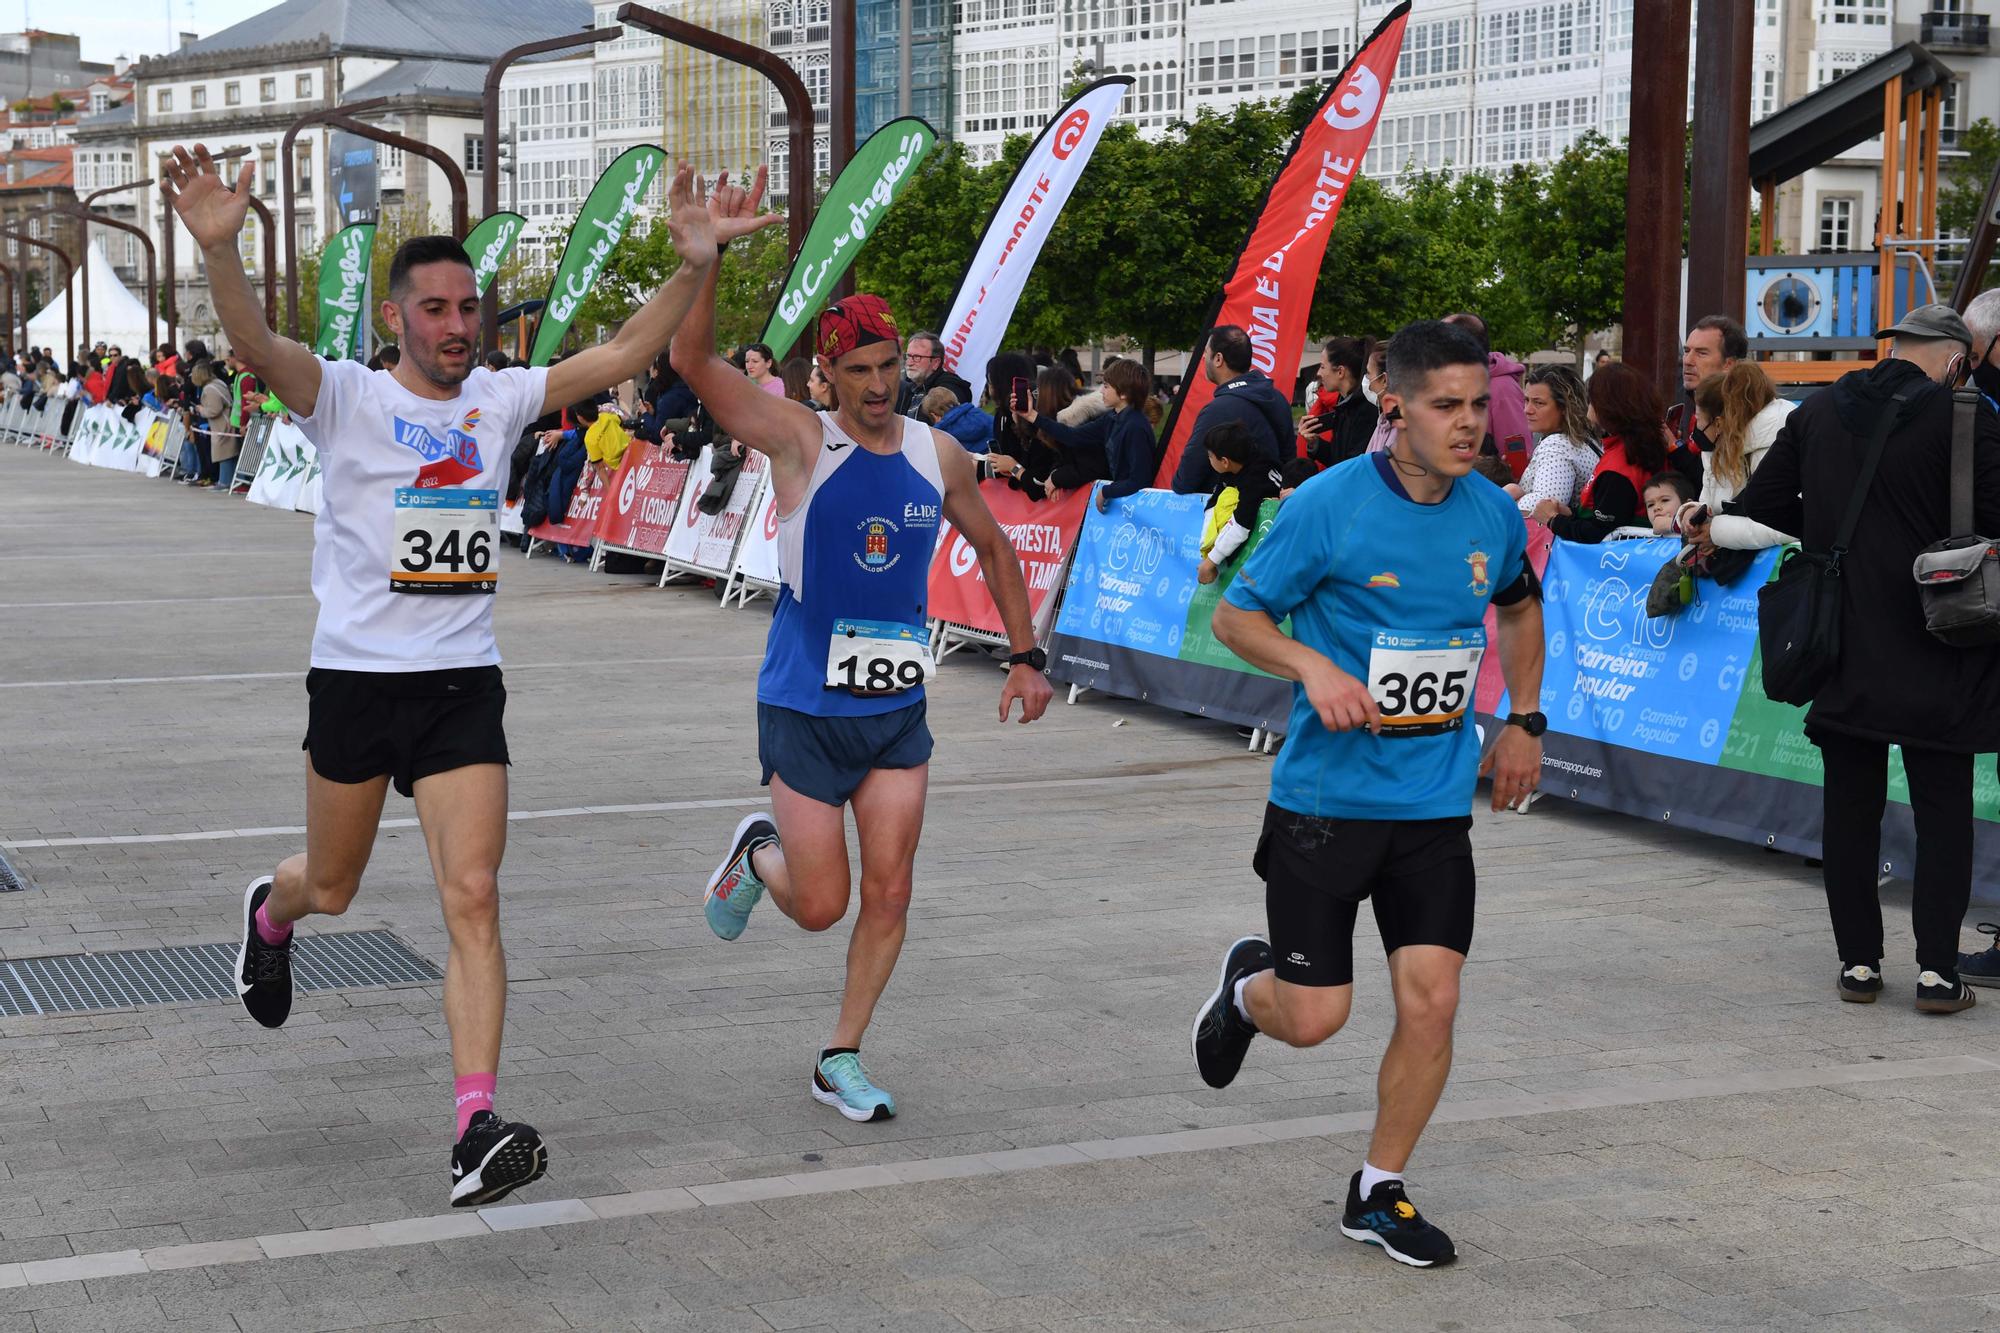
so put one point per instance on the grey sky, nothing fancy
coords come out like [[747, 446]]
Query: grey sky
[[131, 28]]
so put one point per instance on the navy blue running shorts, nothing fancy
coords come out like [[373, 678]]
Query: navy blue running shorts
[[1416, 873], [827, 758]]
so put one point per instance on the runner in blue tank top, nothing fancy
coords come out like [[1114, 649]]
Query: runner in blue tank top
[[840, 700], [1385, 566]]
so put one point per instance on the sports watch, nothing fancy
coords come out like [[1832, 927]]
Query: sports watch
[[1532, 723], [1034, 657]]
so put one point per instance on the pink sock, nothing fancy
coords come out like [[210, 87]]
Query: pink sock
[[269, 933], [475, 1094]]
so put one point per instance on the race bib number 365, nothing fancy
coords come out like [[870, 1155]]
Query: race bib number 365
[[1422, 680], [871, 657], [445, 541]]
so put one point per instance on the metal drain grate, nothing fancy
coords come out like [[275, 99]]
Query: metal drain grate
[[78, 983], [11, 880]]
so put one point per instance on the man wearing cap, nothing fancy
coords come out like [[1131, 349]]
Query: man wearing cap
[[1940, 704], [861, 495]]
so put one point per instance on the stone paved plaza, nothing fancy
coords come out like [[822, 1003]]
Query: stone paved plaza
[[1661, 1118]]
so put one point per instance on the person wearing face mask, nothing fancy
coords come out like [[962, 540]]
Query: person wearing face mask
[[1374, 384], [1343, 417], [1982, 320], [1897, 684]]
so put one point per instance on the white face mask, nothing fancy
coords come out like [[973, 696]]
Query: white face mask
[[1368, 392]]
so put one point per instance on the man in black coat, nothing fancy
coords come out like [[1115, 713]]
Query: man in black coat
[[1895, 684], [1241, 394], [923, 370]]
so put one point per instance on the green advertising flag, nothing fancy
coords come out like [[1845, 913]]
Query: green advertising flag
[[599, 227], [489, 245], [866, 187], [343, 286]]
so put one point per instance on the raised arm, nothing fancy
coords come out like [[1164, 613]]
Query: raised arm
[[640, 339], [213, 214], [785, 430]]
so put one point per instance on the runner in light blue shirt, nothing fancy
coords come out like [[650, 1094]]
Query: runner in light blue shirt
[[1385, 566]]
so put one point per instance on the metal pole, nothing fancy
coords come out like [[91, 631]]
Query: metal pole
[[1718, 231], [69, 303], [452, 174], [285, 204], [263, 211], [1979, 252], [152, 310], [152, 275], [841, 117], [489, 183], [905, 63], [1653, 203], [1885, 222], [168, 223], [798, 102]]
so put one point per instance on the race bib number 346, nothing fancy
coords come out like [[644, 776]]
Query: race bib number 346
[[1422, 680], [871, 657], [445, 541]]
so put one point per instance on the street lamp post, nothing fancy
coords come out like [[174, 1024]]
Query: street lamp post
[[285, 203], [452, 174], [798, 102], [69, 303], [52, 210], [85, 217], [263, 211], [489, 183]]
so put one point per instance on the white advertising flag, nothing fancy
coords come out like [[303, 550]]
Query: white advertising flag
[[1014, 234]]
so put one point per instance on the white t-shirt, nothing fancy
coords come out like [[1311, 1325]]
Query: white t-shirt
[[375, 436]]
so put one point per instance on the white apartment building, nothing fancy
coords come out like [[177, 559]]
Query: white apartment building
[[245, 86]]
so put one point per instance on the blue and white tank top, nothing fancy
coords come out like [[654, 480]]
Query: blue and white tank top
[[858, 547]]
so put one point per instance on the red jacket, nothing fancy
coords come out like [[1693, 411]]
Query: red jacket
[[1323, 403]]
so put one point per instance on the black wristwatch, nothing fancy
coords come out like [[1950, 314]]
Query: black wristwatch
[[1034, 657], [1532, 723]]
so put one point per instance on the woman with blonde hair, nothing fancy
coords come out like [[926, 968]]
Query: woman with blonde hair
[[1737, 413], [1558, 407]]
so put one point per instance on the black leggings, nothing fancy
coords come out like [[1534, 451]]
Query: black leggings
[[1857, 790]]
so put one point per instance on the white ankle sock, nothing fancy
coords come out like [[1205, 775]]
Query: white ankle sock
[[1372, 1176], [1242, 1005]]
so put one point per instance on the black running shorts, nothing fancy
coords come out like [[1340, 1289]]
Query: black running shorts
[[1416, 873], [405, 724]]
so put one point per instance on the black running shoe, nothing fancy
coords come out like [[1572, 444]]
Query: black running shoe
[[1388, 1218], [1982, 968], [263, 971], [494, 1158], [1940, 994], [1860, 983], [1221, 1035]]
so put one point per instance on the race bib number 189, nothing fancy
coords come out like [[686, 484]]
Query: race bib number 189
[[871, 657], [445, 541], [1422, 680]]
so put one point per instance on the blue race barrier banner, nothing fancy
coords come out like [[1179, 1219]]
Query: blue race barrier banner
[[1667, 718], [1135, 623]]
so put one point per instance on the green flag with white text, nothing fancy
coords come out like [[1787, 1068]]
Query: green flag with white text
[[490, 243], [343, 289], [606, 216], [853, 206]]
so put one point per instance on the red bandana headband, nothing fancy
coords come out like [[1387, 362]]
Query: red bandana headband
[[855, 322]]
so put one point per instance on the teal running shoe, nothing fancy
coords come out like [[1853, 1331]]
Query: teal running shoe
[[734, 887], [841, 1082]]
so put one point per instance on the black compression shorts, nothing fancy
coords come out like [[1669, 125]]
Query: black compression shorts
[[1416, 873]]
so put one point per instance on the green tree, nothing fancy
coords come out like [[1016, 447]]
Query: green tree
[[917, 253], [1965, 183], [1561, 241]]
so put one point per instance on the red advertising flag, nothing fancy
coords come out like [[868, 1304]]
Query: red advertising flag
[[640, 511], [579, 526], [1043, 532], [1269, 292]]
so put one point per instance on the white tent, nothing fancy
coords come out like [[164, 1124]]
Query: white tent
[[116, 316]]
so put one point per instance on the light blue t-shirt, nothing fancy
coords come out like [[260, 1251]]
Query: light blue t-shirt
[[1394, 593]]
